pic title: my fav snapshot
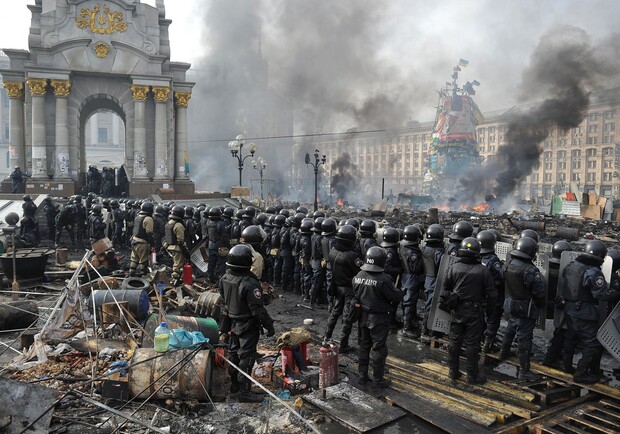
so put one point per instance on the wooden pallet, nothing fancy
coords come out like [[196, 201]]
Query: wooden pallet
[[600, 417]]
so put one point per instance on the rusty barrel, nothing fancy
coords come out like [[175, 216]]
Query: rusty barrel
[[187, 380], [570, 234], [209, 304], [138, 301], [207, 326], [433, 216], [526, 224]]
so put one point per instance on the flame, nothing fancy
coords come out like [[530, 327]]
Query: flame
[[443, 207], [481, 207], [340, 202]]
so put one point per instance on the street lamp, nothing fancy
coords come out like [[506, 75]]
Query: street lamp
[[317, 163], [236, 146], [260, 165]]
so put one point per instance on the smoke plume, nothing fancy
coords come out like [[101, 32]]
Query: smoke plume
[[343, 179]]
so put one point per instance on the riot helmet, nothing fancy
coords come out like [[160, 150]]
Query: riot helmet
[[374, 260], [487, 240]]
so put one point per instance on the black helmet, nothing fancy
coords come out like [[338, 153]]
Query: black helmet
[[470, 247], [368, 228], [278, 209], [147, 207], [177, 212], [557, 249], [160, 210], [595, 249], [347, 234], [106, 203], [270, 210], [302, 209], [27, 198], [390, 237], [290, 221], [421, 227], [240, 257], [285, 212], [328, 227], [498, 235], [353, 222], [525, 248], [487, 240], [306, 226], [249, 212], [411, 234], [279, 220], [318, 214], [374, 260], [215, 213], [614, 254], [238, 215], [114, 203], [91, 195], [461, 230], [189, 211], [298, 218], [78, 198], [96, 209], [48, 199], [310, 215], [271, 221], [530, 233], [261, 219], [253, 235], [434, 233], [318, 222], [229, 212]]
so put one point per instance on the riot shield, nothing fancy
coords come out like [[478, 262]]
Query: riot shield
[[603, 305], [541, 321], [566, 258], [609, 333], [502, 249], [199, 256], [439, 320]]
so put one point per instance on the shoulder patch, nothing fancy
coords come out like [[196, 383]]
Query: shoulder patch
[[599, 281], [538, 276], [389, 256], [453, 253], [258, 293], [414, 257], [497, 265]]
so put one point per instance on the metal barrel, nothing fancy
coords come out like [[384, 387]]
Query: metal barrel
[[18, 314], [207, 326], [139, 303], [433, 216], [570, 234], [191, 380], [209, 304], [524, 224]]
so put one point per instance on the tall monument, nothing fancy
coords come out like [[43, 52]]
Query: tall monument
[[85, 56]]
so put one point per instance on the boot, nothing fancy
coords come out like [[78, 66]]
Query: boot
[[453, 362], [378, 372], [454, 374], [524, 363], [489, 346], [246, 394], [344, 346], [567, 365], [583, 376], [473, 377], [505, 352], [363, 372]]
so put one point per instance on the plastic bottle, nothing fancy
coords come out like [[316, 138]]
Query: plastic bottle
[[162, 338]]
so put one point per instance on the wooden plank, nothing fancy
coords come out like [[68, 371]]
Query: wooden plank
[[599, 419], [570, 428], [370, 413], [432, 413], [590, 425], [611, 404], [600, 408]]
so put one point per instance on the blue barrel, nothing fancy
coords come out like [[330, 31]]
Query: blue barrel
[[138, 301]]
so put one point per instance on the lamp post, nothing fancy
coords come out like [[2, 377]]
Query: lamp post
[[317, 163], [236, 147], [260, 165]]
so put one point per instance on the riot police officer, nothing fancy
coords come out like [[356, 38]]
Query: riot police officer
[[377, 297], [118, 220], [28, 235], [218, 244], [328, 238], [392, 267], [286, 253], [431, 258], [467, 288], [28, 207], [345, 265], [489, 259], [460, 230], [49, 209], [159, 223], [174, 242], [525, 293], [294, 238], [304, 248], [584, 286], [142, 240], [278, 224], [412, 276], [367, 231], [96, 225], [318, 262], [190, 227], [254, 236], [529, 233], [244, 308], [80, 219], [66, 219]]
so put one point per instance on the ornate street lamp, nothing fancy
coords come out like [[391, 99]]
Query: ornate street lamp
[[260, 165], [236, 147], [317, 163]]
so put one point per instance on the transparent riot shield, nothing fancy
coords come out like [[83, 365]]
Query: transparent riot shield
[[609, 333], [566, 258], [439, 320]]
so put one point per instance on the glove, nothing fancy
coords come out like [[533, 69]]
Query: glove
[[270, 330]]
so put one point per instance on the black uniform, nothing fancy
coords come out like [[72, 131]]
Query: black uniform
[[377, 297], [470, 286], [452, 247], [29, 208], [494, 264], [118, 221], [286, 254], [318, 268], [159, 223], [411, 279], [80, 221], [17, 177], [431, 258], [218, 248], [296, 265], [275, 255], [366, 243], [345, 266], [243, 300], [304, 249], [28, 233], [96, 227], [557, 343], [66, 219], [525, 292], [50, 215]]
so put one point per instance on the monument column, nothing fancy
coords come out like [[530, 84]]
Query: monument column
[[161, 143], [17, 148], [180, 144], [139, 131], [61, 152], [39, 153]]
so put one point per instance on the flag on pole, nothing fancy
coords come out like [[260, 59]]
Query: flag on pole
[[464, 63], [186, 156]]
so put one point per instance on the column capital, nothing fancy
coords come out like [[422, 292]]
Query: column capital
[[139, 92], [61, 87], [15, 89], [182, 98], [161, 93], [37, 85]]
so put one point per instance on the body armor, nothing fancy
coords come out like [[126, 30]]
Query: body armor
[[138, 228], [232, 291], [428, 259], [513, 278], [573, 277]]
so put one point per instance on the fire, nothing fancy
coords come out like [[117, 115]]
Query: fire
[[340, 202], [481, 207]]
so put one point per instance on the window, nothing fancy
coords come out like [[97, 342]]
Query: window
[[547, 177], [608, 164], [561, 154], [591, 152], [481, 139], [481, 130], [482, 149], [607, 176], [611, 126], [103, 135], [609, 139], [576, 141], [593, 129], [562, 165], [592, 140], [535, 177], [591, 177], [563, 132], [501, 138], [562, 143], [609, 114], [491, 148], [592, 164], [561, 176], [574, 177], [577, 131], [548, 166], [491, 130], [576, 165], [593, 116], [492, 139]]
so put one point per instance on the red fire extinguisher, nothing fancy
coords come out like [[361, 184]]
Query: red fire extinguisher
[[188, 279], [328, 366]]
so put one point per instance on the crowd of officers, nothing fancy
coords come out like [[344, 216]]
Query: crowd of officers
[[338, 264]]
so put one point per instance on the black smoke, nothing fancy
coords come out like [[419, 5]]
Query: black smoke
[[343, 176]]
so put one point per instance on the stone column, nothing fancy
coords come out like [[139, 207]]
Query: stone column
[[17, 148], [39, 152], [180, 143], [139, 131], [161, 143], [61, 152]]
